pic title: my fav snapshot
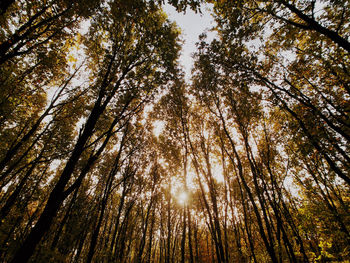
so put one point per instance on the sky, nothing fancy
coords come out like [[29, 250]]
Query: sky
[[192, 25]]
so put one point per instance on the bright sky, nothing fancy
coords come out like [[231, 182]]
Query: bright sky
[[192, 25]]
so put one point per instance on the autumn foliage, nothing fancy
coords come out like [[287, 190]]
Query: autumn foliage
[[108, 153]]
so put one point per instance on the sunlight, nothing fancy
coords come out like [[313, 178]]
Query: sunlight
[[218, 172], [158, 127], [182, 198]]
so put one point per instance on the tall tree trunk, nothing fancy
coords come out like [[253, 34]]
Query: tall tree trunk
[[190, 246], [267, 244], [183, 239]]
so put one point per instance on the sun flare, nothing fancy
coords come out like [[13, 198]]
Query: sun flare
[[182, 198]]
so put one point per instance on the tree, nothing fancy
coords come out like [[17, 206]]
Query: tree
[[131, 56], [108, 153]]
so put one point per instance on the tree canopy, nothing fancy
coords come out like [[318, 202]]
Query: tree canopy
[[107, 153]]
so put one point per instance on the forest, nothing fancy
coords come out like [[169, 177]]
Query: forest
[[108, 153]]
